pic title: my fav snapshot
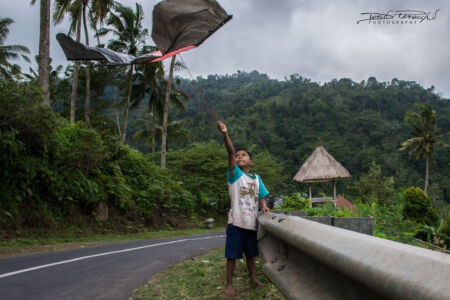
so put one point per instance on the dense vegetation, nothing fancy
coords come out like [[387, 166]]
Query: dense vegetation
[[359, 123], [56, 173], [59, 175]]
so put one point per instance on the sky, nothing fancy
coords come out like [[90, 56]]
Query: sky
[[317, 39]]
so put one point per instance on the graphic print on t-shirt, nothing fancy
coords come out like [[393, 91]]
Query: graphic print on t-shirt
[[248, 199]]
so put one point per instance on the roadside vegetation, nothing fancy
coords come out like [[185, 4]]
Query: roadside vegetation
[[203, 277], [405, 216], [80, 146]]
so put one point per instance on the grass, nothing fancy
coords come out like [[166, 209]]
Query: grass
[[31, 245], [203, 277]]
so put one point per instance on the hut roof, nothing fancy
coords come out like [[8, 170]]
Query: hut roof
[[321, 166]]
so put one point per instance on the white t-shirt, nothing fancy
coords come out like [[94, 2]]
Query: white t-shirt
[[245, 191]]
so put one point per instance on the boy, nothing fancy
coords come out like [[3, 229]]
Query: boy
[[245, 190]]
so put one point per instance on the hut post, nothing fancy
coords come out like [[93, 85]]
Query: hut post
[[334, 190], [310, 193], [334, 195]]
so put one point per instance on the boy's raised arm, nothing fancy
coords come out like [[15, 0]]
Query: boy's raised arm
[[231, 162]]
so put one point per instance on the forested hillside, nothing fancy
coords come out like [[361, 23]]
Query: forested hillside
[[358, 123]]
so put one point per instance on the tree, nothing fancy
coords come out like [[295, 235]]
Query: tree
[[54, 78], [98, 11], [173, 65], [418, 207], [8, 52], [426, 135], [166, 114], [150, 82], [374, 187], [77, 11], [126, 25], [201, 168], [74, 8], [44, 50]]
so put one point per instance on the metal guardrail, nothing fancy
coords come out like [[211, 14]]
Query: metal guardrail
[[309, 260], [358, 224]]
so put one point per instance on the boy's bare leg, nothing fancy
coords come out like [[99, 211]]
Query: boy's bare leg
[[251, 266], [229, 290]]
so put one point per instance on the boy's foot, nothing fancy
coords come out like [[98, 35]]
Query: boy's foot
[[257, 284], [230, 291]]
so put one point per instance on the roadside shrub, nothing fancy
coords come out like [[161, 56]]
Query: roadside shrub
[[25, 130], [21, 110], [202, 169], [152, 189], [418, 207], [446, 226], [445, 231], [374, 187], [75, 146], [13, 174], [295, 202]]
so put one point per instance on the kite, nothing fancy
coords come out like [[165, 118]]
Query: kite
[[178, 25]]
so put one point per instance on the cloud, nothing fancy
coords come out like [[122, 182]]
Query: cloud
[[316, 39]]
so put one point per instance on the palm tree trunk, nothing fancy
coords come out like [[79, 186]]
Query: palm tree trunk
[[166, 114], [117, 114], [427, 172], [153, 133], [73, 96], [44, 52], [88, 72], [127, 109]]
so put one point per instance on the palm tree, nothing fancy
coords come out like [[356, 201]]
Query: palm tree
[[8, 52], [53, 75], [77, 9], [149, 83], [98, 11], [74, 8], [166, 114], [44, 50], [426, 135], [156, 92], [169, 84], [126, 25]]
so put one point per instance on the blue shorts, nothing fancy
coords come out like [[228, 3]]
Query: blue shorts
[[240, 240]]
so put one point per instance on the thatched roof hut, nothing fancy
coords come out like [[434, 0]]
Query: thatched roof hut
[[321, 166]]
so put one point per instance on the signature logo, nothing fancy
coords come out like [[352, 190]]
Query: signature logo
[[398, 17]]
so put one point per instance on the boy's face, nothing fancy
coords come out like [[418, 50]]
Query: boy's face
[[242, 159]]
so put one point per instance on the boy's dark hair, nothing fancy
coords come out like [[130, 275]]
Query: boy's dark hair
[[243, 149]]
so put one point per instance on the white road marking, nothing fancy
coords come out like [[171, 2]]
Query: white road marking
[[102, 254]]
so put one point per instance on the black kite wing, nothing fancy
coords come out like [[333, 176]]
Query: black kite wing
[[77, 51], [180, 25]]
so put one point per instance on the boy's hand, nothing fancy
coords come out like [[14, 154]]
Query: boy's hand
[[266, 209], [221, 127]]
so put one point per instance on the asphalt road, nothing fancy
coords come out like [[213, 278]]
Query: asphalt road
[[102, 272]]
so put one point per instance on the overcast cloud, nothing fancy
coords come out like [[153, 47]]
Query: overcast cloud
[[318, 39]]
